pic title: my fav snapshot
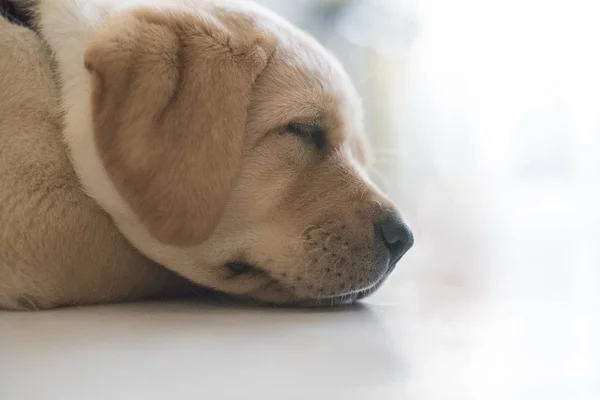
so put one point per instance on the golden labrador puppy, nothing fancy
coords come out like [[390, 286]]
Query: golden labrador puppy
[[225, 144]]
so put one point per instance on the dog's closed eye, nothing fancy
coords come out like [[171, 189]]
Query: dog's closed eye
[[315, 133]]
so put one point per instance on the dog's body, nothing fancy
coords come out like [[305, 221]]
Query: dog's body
[[224, 144], [57, 246]]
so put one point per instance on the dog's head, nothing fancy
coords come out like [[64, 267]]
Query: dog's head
[[234, 143]]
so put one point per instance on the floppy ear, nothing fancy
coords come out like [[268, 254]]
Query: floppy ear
[[169, 102]]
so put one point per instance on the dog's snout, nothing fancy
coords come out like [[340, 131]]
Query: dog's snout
[[395, 234]]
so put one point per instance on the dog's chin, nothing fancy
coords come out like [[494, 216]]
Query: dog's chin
[[292, 301], [277, 293], [337, 301], [286, 299]]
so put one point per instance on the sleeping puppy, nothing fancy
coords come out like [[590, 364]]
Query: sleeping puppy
[[225, 144]]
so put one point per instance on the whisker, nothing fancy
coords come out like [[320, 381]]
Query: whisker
[[334, 269], [381, 177], [331, 236], [378, 204], [301, 241], [305, 231], [362, 196]]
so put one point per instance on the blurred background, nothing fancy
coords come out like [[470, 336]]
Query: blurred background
[[484, 117]]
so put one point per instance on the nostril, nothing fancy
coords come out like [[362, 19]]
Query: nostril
[[396, 235]]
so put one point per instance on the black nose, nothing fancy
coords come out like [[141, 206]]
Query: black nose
[[395, 234]]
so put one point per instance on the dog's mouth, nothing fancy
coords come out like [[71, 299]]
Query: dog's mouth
[[238, 269]]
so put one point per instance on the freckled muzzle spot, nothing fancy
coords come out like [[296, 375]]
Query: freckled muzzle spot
[[340, 263]]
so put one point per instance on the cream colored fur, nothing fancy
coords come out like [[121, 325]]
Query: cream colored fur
[[180, 122], [57, 247]]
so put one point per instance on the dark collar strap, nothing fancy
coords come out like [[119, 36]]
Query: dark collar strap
[[8, 11]]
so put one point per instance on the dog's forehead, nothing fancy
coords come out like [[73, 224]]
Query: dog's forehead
[[304, 82]]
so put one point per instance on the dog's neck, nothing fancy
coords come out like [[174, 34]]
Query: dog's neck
[[69, 27]]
